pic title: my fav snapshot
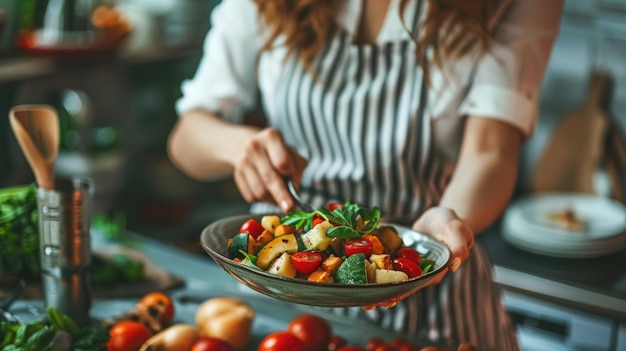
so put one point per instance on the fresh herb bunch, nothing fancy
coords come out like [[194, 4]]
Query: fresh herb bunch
[[42, 335], [349, 221], [19, 231]]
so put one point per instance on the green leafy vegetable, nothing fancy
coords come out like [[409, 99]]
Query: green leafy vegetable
[[19, 232], [351, 221], [41, 335]]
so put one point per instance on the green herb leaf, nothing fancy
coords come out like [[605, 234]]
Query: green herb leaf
[[42, 339]]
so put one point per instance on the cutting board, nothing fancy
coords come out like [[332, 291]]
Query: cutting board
[[576, 149]]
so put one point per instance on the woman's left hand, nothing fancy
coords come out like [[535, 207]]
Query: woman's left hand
[[444, 225]]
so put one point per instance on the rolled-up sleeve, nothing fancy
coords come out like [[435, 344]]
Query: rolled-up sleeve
[[508, 78], [225, 81]]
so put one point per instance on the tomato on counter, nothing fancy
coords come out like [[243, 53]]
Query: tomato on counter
[[128, 336], [351, 348], [211, 344], [281, 341], [336, 342], [314, 331], [159, 304]]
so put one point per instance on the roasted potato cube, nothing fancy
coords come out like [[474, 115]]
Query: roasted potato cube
[[382, 261]]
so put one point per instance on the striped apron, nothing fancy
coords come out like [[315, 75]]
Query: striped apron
[[361, 123]]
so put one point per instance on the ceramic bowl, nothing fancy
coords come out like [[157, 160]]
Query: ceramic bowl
[[214, 240]]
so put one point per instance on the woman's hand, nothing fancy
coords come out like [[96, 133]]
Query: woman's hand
[[264, 164], [444, 225]]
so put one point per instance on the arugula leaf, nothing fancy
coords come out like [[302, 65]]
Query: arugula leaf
[[349, 222]]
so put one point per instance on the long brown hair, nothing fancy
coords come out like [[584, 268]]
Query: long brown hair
[[452, 28]]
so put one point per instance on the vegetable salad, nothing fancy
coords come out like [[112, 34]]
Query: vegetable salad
[[337, 243]]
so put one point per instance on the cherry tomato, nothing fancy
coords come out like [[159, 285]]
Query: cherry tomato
[[211, 344], [281, 341], [373, 343], [398, 342], [314, 331], [336, 342], [409, 347], [407, 266], [317, 220], [306, 262], [385, 347], [351, 348], [358, 245], [409, 253], [127, 336], [252, 227], [159, 304], [331, 206]]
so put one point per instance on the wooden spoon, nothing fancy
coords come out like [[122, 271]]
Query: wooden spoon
[[36, 128]]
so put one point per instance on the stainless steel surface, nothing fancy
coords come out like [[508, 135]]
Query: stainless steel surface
[[65, 246]]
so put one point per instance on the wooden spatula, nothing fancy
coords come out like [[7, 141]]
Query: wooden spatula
[[575, 151], [36, 128]]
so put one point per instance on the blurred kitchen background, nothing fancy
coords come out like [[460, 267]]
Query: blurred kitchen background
[[114, 86], [114, 82]]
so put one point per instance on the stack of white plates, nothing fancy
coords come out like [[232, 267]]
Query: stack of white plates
[[527, 224]]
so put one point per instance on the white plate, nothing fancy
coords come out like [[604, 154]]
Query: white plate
[[526, 225], [604, 217]]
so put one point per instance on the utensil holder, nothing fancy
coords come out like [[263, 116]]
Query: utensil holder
[[65, 246]]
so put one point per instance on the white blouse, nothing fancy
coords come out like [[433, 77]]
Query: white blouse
[[505, 86]]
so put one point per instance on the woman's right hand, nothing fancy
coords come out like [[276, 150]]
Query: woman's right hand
[[264, 164]]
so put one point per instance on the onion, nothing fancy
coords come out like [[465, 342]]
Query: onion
[[226, 318], [177, 337]]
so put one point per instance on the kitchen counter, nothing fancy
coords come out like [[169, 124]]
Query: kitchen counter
[[203, 280], [593, 285]]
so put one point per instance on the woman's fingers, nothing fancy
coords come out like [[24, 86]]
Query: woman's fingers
[[261, 172]]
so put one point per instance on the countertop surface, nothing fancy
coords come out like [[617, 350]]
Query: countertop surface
[[203, 280], [595, 285]]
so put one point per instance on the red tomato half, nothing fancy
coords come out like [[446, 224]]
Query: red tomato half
[[313, 330], [317, 220], [358, 245], [306, 262], [331, 206], [128, 336], [409, 253], [281, 341], [211, 344], [252, 227], [407, 266]]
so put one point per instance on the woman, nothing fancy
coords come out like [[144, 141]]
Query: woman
[[417, 107]]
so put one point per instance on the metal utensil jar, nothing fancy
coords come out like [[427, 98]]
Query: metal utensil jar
[[65, 246]]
